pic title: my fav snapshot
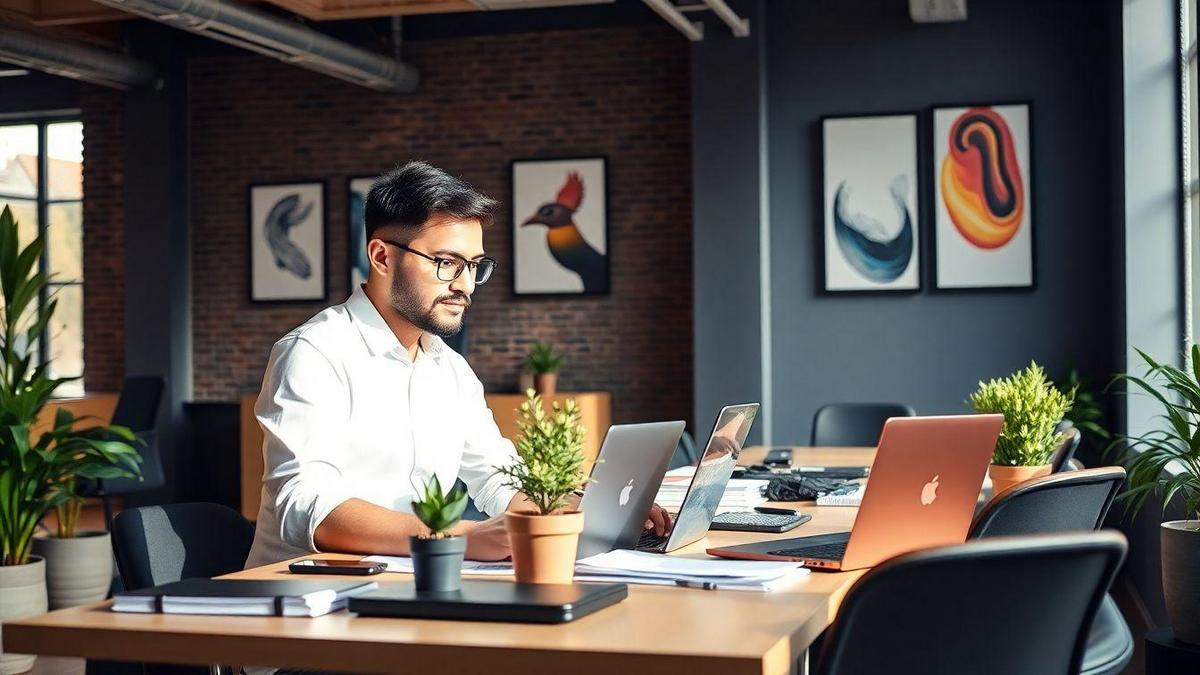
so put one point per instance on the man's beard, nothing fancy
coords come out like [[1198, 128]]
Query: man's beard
[[410, 307]]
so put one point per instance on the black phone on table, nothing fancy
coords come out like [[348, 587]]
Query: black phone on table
[[778, 457], [318, 566]]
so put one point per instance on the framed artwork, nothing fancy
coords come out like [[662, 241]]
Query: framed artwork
[[983, 205], [287, 242], [560, 226], [871, 210], [356, 247]]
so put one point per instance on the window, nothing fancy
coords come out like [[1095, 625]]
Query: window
[[41, 180]]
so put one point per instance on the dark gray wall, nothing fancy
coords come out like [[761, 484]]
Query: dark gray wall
[[930, 349], [36, 92]]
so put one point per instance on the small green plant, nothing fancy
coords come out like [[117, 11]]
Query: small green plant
[[550, 448], [37, 476], [1086, 413], [440, 512], [542, 359], [1031, 406], [1148, 456]]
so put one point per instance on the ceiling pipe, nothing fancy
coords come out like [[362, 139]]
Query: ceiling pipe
[[75, 60], [664, 8], [278, 38], [739, 26]]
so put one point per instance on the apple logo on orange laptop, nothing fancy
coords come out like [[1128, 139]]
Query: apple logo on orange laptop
[[623, 499], [929, 492]]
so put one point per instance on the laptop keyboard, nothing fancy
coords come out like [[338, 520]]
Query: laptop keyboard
[[819, 551], [650, 540]]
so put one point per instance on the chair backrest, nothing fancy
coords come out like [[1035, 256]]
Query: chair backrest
[[854, 424], [161, 544], [1072, 501], [685, 452], [1060, 460], [137, 404], [152, 476], [994, 607]]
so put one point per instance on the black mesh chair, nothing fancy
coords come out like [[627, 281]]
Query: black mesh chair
[[1061, 459], [137, 409], [995, 607], [854, 424], [686, 453], [1072, 501]]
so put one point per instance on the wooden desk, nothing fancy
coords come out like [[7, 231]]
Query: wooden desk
[[656, 630], [595, 409]]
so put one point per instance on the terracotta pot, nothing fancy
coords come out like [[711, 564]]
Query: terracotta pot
[[1005, 477], [1180, 541], [22, 594], [437, 563], [546, 384], [79, 569], [544, 546]]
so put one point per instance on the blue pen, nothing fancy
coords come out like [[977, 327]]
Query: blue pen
[[706, 585]]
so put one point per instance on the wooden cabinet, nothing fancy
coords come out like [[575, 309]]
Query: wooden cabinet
[[595, 410]]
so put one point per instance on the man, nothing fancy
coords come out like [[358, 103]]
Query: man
[[363, 403]]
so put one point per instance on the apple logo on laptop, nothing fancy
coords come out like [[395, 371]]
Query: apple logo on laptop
[[623, 499], [929, 492]]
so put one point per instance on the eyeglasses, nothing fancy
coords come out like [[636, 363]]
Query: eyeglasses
[[449, 269]]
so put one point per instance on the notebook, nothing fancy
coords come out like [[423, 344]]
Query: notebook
[[243, 597]]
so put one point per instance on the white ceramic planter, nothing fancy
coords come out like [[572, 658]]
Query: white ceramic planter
[[79, 569], [22, 594], [1181, 577]]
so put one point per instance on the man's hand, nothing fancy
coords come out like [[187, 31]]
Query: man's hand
[[659, 520], [488, 541]]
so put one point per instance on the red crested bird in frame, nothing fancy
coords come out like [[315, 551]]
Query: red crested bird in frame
[[566, 243]]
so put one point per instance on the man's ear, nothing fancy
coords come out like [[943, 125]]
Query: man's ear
[[377, 256]]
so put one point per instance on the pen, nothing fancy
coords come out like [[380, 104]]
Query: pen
[[706, 585]]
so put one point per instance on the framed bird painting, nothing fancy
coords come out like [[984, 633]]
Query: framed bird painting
[[560, 226], [287, 242]]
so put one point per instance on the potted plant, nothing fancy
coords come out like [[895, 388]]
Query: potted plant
[[550, 470], [438, 556], [1032, 407], [1166, 462], [33, 473], [544, 363]]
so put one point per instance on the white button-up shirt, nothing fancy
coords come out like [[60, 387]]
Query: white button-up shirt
[[345, 413]]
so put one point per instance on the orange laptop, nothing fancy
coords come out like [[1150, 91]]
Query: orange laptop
[[922, 492]]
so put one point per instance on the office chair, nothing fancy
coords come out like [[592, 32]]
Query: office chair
[[1061, 459], [137, 409], [1071, 501], [854, 424], [160, 544], [993, 607], [686, 453]]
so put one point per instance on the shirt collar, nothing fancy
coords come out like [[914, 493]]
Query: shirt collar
[[378, 335]]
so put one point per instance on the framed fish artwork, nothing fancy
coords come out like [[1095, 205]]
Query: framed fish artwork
[[287, 242], [871, 204], [560, 226], [983, 204], [356, 245]]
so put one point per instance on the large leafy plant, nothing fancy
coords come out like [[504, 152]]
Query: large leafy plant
[[440, 511], [550, 448], [1032, 407], [1086, 413], [1166, 461], [37, 476], [542, 359]]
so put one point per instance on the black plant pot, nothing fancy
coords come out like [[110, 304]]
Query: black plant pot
[[437, 563]]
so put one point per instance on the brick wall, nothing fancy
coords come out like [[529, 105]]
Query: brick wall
[[103, 239], [620, 92]]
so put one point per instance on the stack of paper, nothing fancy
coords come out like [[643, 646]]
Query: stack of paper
[[740, 494], [637, 567]]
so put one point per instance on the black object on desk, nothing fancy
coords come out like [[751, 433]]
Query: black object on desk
[[1167, 656], [492, 601], [742, 521]]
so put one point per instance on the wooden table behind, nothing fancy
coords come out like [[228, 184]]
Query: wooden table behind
[[657, 629]]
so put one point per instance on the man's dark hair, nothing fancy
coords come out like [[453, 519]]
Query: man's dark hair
[[409, 195]]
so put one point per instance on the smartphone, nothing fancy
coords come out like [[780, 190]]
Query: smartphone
[[778, 457], [318, 566]]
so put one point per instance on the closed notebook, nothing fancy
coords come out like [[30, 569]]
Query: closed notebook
[[243, 597]]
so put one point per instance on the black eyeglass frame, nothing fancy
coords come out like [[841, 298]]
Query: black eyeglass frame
[[461, 263]]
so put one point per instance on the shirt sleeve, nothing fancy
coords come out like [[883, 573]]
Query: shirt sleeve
[[303, 412], [484, 450]]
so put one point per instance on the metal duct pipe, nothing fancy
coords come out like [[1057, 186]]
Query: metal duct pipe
[[278, 38], [74, 60], [739, 26], [693, 30]]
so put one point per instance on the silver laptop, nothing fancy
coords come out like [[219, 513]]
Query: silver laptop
[[626, 476], [708, 483]]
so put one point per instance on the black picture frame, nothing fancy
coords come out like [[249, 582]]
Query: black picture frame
[[514, 225], [320, 291], [918, 213], [932, 192]]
